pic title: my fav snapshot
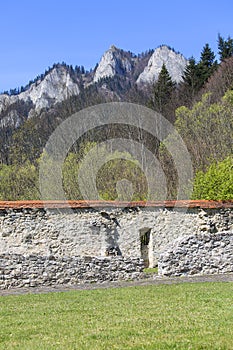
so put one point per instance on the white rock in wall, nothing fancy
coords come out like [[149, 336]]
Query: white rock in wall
[[203, 253]]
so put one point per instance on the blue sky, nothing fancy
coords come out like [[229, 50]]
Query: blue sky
[[36, 34]]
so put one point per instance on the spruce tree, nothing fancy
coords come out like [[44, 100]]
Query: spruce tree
[[207, 65], [207, 56], [225, 47], [162, 91], [190, 77]]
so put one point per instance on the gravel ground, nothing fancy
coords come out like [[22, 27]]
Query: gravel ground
[[154, 280]]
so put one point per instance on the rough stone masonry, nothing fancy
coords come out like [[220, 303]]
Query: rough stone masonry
[[138, 235]]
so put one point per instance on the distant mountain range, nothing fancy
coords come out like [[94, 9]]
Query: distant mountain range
[[118, 62], [195, 96], [62, 81]]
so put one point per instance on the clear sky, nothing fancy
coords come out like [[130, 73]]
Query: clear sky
[[37, 33]]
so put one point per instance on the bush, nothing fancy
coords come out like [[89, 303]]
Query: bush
[[19, 182], [216, 183]]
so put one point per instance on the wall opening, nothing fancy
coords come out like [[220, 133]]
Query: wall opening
[[145, 237]]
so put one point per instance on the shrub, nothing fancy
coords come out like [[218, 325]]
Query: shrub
[[216, 183]]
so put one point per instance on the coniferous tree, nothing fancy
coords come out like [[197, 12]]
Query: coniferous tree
[[190, 83], [207, 65], [162, 91], [225, 47], [196, 75], [207, 56]]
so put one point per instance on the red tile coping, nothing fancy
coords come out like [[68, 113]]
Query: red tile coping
[[114, 204]]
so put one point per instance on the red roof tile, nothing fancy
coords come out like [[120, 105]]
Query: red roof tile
[[102, 204]]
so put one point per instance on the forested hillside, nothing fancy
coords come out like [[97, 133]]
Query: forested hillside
[[200, 105]]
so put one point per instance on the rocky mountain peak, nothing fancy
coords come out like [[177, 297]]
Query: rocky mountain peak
[[62, 81], [113, 48], [114, 61], [175, 64], [54, 87]]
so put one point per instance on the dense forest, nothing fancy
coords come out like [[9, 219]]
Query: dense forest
[[200, 107]]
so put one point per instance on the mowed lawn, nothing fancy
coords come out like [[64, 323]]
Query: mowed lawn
[[180, 316]]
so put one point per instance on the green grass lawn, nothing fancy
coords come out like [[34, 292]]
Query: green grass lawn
[[181, 316], [151, 270]]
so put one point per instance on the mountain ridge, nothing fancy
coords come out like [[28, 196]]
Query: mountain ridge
[[63, 81], [39, 78]]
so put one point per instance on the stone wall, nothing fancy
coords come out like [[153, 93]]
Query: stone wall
[[89, 232], [138, 231], [34, 270], [205, 253]]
